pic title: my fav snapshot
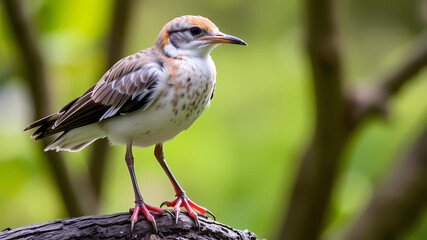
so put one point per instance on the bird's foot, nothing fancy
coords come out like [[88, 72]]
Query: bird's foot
[[184, 201], [141, 207]]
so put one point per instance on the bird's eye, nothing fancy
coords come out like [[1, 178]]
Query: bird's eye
[[195, 31]]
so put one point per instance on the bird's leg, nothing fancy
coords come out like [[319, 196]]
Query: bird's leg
[[140, 206], [182, 200]]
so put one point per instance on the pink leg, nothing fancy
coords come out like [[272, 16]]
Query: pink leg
[[140, 206], [182, 200]]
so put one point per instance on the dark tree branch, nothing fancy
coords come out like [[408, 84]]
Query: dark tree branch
[[403, 193], [392, 83], [117, 226], [362, 104], [400, 201], [318, 170], [116, 43], [337, 117], [36, 77], [374, 99]]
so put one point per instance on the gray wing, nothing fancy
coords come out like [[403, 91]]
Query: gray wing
[[129, 85]]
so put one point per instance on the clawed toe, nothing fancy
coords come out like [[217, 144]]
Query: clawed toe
[[211, 214], [145, 209], [184, 201]]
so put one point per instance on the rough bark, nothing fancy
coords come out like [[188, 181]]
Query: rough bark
[[117, 226]]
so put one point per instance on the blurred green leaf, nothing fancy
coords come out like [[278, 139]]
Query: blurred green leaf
[[16, 171]]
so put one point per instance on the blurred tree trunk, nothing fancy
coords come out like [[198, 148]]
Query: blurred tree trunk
[[338, 114], [116, 44], [37, 80], [318, 170], [399, 202]]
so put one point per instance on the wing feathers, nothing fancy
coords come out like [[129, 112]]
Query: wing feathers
[[127, 86]]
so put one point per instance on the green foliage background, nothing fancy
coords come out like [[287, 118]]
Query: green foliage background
[[240, 158]]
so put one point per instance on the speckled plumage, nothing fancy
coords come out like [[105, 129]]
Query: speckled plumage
[[183, 92], [145, 99], [148, 97]]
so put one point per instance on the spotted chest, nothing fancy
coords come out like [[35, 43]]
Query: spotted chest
[[189, 88], [175, 110], [181, 96]]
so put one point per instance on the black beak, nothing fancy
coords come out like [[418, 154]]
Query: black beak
[[219, 38]]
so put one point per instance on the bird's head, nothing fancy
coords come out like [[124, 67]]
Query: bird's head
[[192, 36]]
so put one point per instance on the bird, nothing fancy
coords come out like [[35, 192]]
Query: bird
[[146, 99]]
